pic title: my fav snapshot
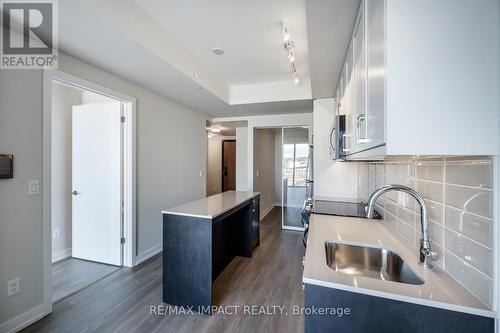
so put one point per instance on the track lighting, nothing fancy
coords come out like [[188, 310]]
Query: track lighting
[[289, 46]]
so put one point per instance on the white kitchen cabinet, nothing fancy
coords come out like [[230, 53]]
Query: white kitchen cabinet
[[410, 90], [360, 137], [375, 82]]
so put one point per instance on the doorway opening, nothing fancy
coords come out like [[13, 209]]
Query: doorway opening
[[89, 196], [221, 158], [281, 165]]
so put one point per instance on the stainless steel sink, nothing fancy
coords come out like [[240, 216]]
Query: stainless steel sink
[[373, 262]]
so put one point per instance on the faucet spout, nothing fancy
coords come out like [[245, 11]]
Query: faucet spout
[[426, 253]]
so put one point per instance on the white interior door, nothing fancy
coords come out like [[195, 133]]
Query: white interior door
[[96, 232]]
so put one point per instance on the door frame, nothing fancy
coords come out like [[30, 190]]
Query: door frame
[[222, 163], [283, 226], [129, 172]]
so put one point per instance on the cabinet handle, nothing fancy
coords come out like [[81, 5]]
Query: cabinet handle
[[361, 127], [332, 146]]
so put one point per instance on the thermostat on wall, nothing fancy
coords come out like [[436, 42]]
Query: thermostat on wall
[[6, 166]]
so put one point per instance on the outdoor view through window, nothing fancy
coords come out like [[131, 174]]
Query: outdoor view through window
[[295, 163]]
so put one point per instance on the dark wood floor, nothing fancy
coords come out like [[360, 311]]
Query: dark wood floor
[[291, 217], [71, 275], [121, 302]]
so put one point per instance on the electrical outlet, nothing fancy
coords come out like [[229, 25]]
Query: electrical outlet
[[13, 287], [33, 187], [402, 199], [56, 234]]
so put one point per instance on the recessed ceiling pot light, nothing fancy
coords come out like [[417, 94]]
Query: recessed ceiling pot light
[[218, 51]]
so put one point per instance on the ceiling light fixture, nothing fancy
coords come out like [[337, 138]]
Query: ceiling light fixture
[[289, 46], [218, 51], [215, 130]]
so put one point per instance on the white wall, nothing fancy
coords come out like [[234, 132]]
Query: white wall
[[21, 214], [242, 159], [171, 151], [264, 168], [269, 121], [63, 99], [214, 163], [332, 179]]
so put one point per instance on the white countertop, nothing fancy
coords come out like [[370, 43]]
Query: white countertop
[[213, 206], [439, 290]]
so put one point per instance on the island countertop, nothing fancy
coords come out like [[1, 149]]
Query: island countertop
[[213, 206], [439, 289]]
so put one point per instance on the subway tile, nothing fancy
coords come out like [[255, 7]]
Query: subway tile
[[470, 173], [391, 222], [408, 233], [477, 283], [391, 170], [405, 171], [406, 215], [469, 251], [391, 206], [465, 183], [434, 211], [371, 183], [431, 191], [371, 168], [472, 200], [472, 226], [436, 232], [430, 171]]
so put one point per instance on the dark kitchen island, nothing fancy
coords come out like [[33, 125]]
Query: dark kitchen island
[[200, 239]]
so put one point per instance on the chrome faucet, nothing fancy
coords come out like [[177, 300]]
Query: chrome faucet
[[426, 253]]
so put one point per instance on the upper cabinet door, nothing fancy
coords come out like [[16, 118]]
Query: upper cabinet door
[[347, 107], [359, 101], [375, 19]]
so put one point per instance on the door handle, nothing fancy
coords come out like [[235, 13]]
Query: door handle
[[225, 171], [75, 193]]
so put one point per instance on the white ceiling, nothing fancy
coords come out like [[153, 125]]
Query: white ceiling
[[161, 53], [329, 28], [248, 31]]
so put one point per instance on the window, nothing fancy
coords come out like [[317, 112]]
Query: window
[[295, 163]]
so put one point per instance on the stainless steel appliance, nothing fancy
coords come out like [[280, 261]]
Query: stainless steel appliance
[[338, 138]]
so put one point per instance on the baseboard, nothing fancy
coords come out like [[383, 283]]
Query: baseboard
[[60, 255], [143, 256], [23, 320], [265, 212]]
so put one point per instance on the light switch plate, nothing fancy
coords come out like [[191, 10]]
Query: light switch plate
[[33, 187], [56, 234]]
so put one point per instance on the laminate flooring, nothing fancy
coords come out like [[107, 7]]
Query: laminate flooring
[[71, 275], [122, 301]]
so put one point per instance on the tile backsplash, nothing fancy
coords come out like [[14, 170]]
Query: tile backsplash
[[459, 192]]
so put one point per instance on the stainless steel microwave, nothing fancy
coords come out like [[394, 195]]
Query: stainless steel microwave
[[337, 138]]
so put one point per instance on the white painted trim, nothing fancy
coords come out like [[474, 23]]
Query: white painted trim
[[265, 212], [129, 172], [23, 320], [145, 255], [60, 255]]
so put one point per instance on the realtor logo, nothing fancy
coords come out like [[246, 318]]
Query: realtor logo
[[29, 34]]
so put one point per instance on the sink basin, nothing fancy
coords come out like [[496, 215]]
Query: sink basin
[[373, 262]]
